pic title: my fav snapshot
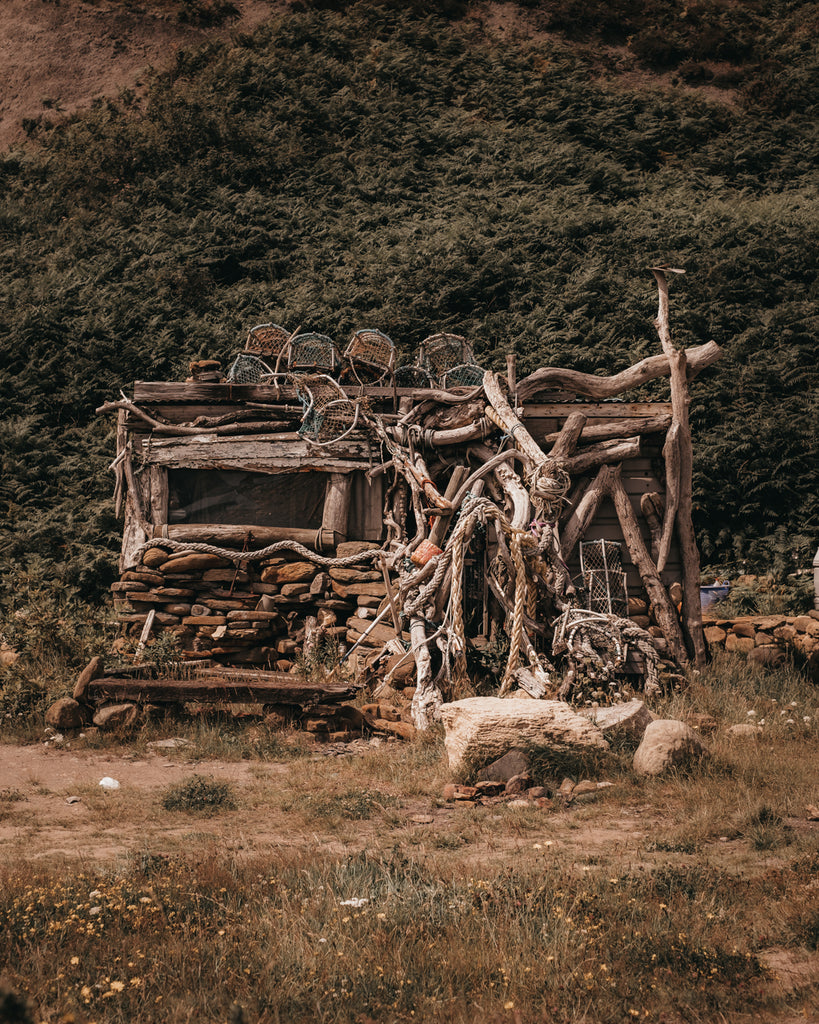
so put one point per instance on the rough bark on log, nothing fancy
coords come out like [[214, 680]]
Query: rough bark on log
[[427, 698], [592, 386], [653, 508], [159, 497], [672, 453], [221, 534], [625, 427], [336, 513], [439, 527]]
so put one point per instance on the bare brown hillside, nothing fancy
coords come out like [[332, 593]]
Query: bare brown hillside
[[57, 57]]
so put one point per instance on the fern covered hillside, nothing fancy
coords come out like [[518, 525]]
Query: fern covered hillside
[[505, 171]]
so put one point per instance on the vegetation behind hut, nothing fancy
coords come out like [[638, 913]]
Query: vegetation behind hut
[[409, 173]]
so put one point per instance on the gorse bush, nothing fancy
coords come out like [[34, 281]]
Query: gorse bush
[[386, 167]]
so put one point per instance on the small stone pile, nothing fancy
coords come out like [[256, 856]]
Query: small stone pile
[[768, 640]]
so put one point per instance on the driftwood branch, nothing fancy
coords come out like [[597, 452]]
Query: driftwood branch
[[680, 400], [591, 386], [607, 452], [663, 608]]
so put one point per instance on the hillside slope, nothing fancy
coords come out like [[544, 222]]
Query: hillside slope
[[496, 173]]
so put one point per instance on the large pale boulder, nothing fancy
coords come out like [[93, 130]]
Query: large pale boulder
[[622, 722], [482, 729], [668, 743]]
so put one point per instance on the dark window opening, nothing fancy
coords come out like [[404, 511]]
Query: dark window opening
[[235, 498]]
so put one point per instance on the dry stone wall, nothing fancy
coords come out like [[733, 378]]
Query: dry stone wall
[[768, 640], [256, 614]]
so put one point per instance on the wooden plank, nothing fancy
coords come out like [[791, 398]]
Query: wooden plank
[[268, 453], [159, 496], [336, 515], [216, 395], [597, 411], [262, 688]]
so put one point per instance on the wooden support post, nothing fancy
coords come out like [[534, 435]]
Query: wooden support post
[[663, 608], [336, 514], [159, 499], [680, 400]]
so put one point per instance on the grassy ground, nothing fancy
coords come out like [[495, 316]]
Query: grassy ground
[[309, 887]]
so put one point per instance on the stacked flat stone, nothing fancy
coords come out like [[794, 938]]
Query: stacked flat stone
[[256, 613]]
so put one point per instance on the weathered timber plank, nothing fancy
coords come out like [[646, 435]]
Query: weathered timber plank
[[596, 411], [267, 688], [264, 454]]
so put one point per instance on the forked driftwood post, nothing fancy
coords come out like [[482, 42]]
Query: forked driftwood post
[[678, 450]]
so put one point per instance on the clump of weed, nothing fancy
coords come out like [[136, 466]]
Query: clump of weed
[[200, 795], [353, 805], [765, 828]]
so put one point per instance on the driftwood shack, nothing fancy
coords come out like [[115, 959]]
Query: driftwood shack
[[416, 516]]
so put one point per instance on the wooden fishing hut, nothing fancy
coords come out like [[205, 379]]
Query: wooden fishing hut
[[382, 509]]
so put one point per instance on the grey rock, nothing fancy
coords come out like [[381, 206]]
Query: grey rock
[[515, 762], [666, 744], [117, 717], [479, 730]]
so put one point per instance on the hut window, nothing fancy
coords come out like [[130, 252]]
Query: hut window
[[246, 499]]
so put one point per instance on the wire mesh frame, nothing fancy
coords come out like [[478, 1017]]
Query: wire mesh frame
[[311, 352], [370, 356], [247, 368], [412, 377], [464, 375], [601, 564], [266, 339], [329, 415], [442, 352]]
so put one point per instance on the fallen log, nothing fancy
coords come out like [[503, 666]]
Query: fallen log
[[233, 687]]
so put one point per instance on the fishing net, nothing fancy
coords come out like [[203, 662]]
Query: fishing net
[[601, 565], [312, 352], [247, 369], [370, 356], [412, 377], [266, 340], [328, 414]]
